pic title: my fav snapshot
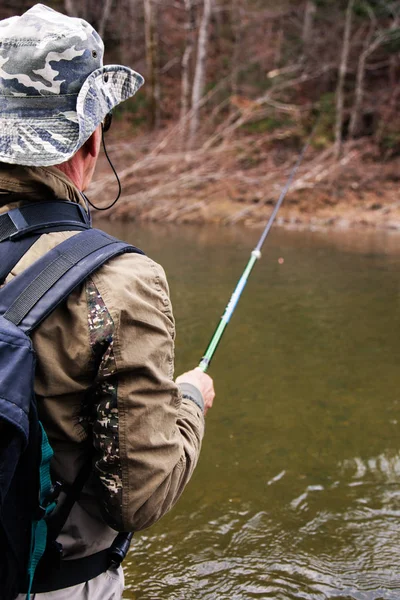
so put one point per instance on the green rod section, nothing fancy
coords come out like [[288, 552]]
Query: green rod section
[[212, 346]]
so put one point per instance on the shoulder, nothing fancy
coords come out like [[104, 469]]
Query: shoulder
[[133, 279], [132, 271]]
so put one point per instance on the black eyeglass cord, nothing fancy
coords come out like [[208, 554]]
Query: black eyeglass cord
[[115, 173]]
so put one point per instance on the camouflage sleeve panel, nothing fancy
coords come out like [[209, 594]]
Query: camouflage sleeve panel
[[157, 432], [107, 463]]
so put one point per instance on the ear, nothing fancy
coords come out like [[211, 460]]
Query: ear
[[92, 145]]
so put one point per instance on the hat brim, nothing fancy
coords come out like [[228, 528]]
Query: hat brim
[[49, 130]]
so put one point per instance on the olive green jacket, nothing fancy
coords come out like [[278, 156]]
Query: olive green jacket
[[104, 384]]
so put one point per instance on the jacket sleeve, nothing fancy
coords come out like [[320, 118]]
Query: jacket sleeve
[[147, 438]]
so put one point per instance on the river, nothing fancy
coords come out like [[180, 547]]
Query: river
[[297, 492]]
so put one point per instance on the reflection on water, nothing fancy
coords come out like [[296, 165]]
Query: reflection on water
[[297, 493], [385, 467]]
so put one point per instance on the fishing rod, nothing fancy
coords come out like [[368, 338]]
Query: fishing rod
[[255, 255]]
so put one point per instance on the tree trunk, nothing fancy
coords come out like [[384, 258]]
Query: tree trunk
[[186, 61], [278, 46], [354, 127], [152, 78], [309, 12], [70, 8], [393, 66], [199, 76], [104, 17], [131, 39], [342, 76], [237, 37]]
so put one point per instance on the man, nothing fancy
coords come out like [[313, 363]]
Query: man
[[105, 358]]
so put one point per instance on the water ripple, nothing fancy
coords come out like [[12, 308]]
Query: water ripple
[[244, 556]]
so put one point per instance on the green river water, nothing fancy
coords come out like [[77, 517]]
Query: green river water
[[297, 492]]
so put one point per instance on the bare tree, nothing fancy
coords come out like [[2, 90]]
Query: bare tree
[[341, 80], [309, 12], [104, 17], [96, 12], [278, 45], [152, 61], [186, 60], [372, 41], [69, 8], [237, 25], [131, 37], [199, 76]]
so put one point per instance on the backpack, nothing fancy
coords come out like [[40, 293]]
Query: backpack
[[27, 494]]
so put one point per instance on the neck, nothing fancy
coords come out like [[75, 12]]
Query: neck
[[74, 171], [80, 167]]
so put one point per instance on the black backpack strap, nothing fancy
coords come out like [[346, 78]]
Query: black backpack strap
[[21, 227], [12, 252], [58, 518], [42, 217], [34, 294]]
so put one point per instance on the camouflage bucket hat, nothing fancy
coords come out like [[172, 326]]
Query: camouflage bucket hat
[[54, 89]]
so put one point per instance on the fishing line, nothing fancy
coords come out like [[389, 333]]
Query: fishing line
[[255, 255]]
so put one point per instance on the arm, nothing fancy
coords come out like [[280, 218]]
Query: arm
[[147, 437]]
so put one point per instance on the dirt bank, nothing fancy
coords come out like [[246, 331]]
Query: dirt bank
[[241, 182]]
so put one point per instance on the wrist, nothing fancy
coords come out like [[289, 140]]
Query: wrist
[[191, 392]]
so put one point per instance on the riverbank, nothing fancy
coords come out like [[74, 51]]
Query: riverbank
[[240, 182]]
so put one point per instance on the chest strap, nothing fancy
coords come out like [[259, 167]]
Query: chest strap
[[41, 217]]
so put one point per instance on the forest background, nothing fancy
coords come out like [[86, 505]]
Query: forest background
[[233, 90]]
